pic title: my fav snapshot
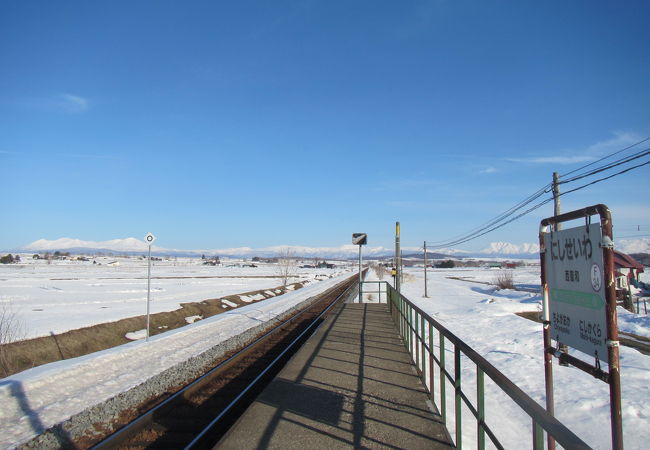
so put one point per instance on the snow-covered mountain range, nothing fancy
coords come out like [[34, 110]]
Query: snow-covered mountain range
[[136, 246], [506, 248]]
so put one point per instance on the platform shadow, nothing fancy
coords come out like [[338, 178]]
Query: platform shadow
[[299, 399], [17, 392]]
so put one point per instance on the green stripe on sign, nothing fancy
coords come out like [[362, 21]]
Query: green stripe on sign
[[583, 299]]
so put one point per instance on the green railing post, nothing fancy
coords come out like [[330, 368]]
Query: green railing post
[[409, 324], [414, 325], [395, 302], [389, 300], [538, 436], [459, 399], [402, 312], [431, 375], [480, 404], [443, 387], [422, 349], [416, 338], [402, 315]]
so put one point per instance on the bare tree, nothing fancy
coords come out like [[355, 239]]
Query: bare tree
[[504, 280], [380, 270], [286, 266], [11, 330]]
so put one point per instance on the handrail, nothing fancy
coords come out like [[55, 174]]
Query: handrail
[[410, 322], [378, 291]]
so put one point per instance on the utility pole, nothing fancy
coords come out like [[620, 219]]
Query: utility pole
[[556, 199], [426, 295], [558, 227]]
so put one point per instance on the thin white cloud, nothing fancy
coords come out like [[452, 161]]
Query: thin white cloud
[[57, 103], [553, 159], [591, 153], [620, 140], [488, 170], [72, 103]]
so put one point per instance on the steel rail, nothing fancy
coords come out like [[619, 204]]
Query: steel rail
[[309, 327], [148, 418]]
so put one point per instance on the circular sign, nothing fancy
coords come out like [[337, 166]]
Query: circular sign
[[596, 277], [149, 238]]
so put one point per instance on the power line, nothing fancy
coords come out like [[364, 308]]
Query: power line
[[461, 241], [494, 224], [607, 156], [504, 214], [611, 165], [606, 178]]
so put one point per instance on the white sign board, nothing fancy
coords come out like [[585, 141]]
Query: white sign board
[[149, 238], [576, 289]]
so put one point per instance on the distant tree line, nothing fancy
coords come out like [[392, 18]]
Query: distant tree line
[[56, 255], [448, 264], [9, 259]]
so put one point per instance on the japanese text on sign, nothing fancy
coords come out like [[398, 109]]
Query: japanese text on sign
[[573, 262]]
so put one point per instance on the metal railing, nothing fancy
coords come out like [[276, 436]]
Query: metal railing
[[417, 329], [378, 291]]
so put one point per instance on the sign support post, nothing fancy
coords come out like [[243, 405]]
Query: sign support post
[[579, 295], [360, 239], [149, 238], [360, 279], [398, 259], [546, 332], [612, 338]]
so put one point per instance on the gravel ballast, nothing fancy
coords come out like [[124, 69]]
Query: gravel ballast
[[96, 421]]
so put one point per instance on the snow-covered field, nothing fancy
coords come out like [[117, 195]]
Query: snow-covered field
[[65, 295], [36, 399], [484, 318]]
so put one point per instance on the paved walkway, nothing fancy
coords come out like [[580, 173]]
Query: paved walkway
[[351, 385]]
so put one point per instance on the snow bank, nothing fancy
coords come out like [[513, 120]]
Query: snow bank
[[484, 318], [39, 398]]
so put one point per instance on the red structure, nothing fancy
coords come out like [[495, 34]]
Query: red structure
[[626, 269]]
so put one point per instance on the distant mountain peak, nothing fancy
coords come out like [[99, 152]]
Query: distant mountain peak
[[137, 246], [506, 248], [122, 245]]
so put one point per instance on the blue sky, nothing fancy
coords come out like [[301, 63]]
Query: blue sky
[[227, 124]]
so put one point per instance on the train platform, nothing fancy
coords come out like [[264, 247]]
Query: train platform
[[352, 384]]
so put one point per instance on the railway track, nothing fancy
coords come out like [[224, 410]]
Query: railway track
[[200, 413]]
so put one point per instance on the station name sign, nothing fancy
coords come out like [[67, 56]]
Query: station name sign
[[574, 275]]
